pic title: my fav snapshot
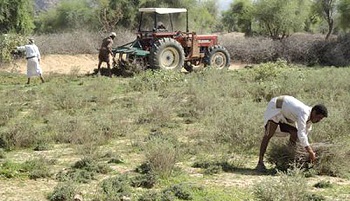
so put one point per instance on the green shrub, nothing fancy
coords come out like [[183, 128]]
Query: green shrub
[[38, 168], [8, 43], [2, 153], [114, 188], [214, 167], [19, 134], [291, 186], [6, 113], [83, 171], [161, 153], [34, 169], [9, 169], [63, 192], [144, 181], [323, 184], [155, 80], [149, 196], [331, 160], [182, 191], [76, 175]]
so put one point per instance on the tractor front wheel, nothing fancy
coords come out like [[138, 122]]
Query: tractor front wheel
[[218, 57], [167, 54]]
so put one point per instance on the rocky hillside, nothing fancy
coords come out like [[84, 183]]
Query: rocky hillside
[[42, 5]]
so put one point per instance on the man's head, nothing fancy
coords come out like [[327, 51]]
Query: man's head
[[160, 25], [112, 35], [318, 112]]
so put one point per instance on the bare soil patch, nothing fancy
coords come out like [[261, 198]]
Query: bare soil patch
[[66, 64]]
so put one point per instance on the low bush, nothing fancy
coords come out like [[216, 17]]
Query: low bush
[[149, 196], [182, 191], [114, 188], [8, 43], [63, 192], [38, 168], [214, 167], [33, 169], [332, 159], [83, 171], [307, 49], [289, 186], [161, 154], [145, 181], [323, 184]]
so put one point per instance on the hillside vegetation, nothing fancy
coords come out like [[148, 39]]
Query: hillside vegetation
[[163, 135]]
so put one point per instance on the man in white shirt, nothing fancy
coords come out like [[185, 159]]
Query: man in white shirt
[[287, 115], [33, 60]]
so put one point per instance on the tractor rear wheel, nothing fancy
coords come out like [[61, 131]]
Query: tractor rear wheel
[[167, 54], [218, 57]]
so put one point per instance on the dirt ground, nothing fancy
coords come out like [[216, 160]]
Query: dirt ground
[[65, 64]]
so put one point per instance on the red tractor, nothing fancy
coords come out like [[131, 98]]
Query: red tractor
[[161, 46]]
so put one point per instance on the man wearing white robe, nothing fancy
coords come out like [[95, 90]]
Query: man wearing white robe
[[287, 115], [33, 60]]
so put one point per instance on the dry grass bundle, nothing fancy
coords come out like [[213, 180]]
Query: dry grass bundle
[[332, 160]]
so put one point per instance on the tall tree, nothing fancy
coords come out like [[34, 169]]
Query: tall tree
[[279, 19], [326, 9], [68, 15], [239, 17], [344, 17], [16, 16]]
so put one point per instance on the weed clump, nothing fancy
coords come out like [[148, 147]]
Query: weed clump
[[115, 188], [332, 160], [83, 171], [162, 152], [323, 184], [180, 191], [63, 192], [289, 186], [33, 169], [214, 167], [144, 181]]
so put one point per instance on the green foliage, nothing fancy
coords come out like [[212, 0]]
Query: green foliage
[[109, 15], [326, 9], [2, 154], [155, 80], [203, 16], [147, 180], [114, 188], [16, 16], [8, 44], [344, 11], [10, 169], [162, 153], [239, 17], [68, 15], [182, 191], [83, 171], [290, 186], [149, 196], [38, 168], [20, 133], [63, 192], [323, 184], [33, 169], [279, 19], [269, 71]]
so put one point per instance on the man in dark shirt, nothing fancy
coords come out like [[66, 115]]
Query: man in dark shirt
[[105, 51]]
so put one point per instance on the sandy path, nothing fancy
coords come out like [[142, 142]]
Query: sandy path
[[65, 64]]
